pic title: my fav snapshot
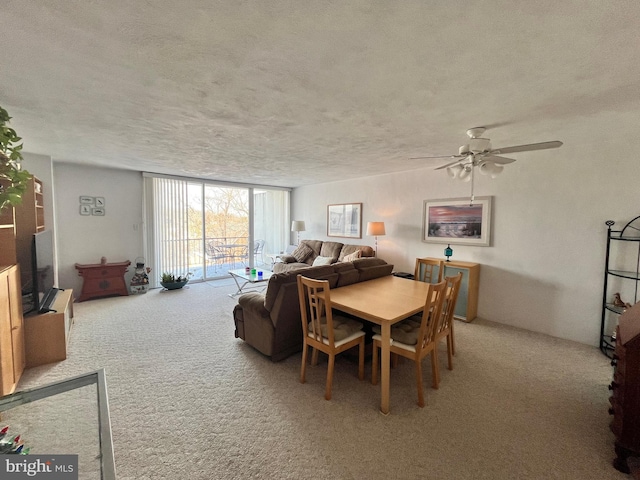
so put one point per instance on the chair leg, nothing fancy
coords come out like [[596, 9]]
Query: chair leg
[[419, 383], [374, 363], [435, 369], [314, 357], [449, 351], [361, 360], [303, 368], [395, 358], [453, 344], [327, 392]]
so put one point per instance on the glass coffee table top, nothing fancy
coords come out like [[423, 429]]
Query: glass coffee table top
[[246, 280]]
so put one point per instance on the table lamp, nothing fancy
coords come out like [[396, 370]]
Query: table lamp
[[297, 226], [375, 229]]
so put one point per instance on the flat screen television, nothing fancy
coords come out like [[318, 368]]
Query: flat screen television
[[44, 291]]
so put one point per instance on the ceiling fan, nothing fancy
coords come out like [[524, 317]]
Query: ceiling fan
[[479, 154]]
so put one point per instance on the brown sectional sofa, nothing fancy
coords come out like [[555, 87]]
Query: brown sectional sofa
[[271, 323], [334, 250]]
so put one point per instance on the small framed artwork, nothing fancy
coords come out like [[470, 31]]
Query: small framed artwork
[[457, 221], [99, 201], [85, 200], [98, 211], [85, 209], [344, 220]]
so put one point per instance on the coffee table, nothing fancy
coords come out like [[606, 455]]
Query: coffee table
[[248, 282]]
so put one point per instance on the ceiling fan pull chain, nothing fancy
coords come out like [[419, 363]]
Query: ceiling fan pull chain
[[473, 169]]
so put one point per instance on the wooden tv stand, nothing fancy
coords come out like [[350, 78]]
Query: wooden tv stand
[[46, 335]]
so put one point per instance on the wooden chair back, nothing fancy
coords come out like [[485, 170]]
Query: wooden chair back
[[449, 307], [431, 316], [429, 270], [426, 341], [315, 307], [318, 329], [445, 329]]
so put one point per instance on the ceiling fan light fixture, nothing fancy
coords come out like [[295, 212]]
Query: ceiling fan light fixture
[[454, 170], [463, 150], [478, 145], [465, 174], [491, 168]]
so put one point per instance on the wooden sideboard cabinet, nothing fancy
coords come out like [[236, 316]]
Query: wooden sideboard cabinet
[[467, 304], [12, 358], [625, 389], [102, 279], [47, 334]]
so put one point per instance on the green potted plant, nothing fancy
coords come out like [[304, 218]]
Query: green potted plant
[[13, 180], [172, 282]]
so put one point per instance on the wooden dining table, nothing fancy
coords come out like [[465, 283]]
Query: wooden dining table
[[384, 301]]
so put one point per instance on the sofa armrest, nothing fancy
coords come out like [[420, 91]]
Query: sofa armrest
[[253, 303]]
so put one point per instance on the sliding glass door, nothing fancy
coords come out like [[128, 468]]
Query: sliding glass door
[[207, 229]]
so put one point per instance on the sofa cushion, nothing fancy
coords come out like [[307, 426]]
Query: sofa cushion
[[371, 268], [279, 279], [347, 273], [352, 256], [302, 252], [365, 251], [331, 249], [322, 261]]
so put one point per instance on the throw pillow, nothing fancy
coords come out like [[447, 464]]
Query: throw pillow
[[352, 256], [322, 261], [302, 252]]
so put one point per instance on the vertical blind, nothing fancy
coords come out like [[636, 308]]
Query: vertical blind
[[167, 231]]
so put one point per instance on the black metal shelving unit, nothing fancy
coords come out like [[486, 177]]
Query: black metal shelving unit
[[629, 233]]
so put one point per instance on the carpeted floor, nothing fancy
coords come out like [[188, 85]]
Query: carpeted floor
[[188, 400]]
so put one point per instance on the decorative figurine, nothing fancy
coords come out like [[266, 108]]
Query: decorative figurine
[[618, 302], [140, 279], [448, 252]]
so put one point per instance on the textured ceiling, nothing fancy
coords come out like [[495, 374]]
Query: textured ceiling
[[291, 93]]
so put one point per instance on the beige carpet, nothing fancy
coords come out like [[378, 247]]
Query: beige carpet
[[190, 401]]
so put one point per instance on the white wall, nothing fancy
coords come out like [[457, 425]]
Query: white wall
[[544, 270], [85, 239]]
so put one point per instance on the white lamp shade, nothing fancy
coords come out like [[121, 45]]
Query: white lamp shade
[[491, 168], [465, 174], [297, 226], [375, 228], [454, 170]]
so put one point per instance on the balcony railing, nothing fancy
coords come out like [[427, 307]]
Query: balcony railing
[[212, 258]]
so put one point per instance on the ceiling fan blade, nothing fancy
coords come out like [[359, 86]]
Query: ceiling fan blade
[[528, 148], [438, 156], [498, 160], [462, 158]]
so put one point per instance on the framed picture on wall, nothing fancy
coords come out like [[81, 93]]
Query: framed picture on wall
[[344, 220], [457, 221]]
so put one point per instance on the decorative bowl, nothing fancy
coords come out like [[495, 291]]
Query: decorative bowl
[[174, 285]]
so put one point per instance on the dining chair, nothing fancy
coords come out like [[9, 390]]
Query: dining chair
[[258, 247], [215, 253], [429, 270], [323, 331], [414, 340], [445, 329]]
